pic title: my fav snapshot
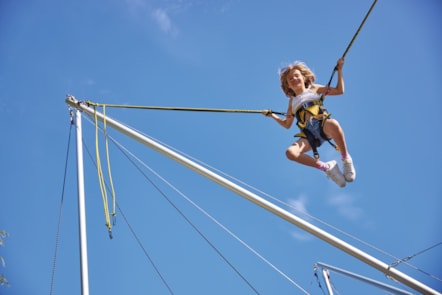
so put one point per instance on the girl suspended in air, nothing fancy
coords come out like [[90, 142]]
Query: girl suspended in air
[[316, 125]]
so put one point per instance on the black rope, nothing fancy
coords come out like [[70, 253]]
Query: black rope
[[318, 281], [133, 231], [359, 29], [187, 109], [57, 236], [404, 260], [90, 103], [353, 39], [144, 250], [188, 220]]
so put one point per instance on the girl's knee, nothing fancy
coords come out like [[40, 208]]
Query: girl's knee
[[292, 154], [295, 151]]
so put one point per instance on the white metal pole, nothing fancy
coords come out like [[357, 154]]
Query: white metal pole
[[326, 276], [325, 236], [81, 208], [388, 288]]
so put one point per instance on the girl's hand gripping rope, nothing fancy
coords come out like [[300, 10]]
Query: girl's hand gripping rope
[[267, 113]]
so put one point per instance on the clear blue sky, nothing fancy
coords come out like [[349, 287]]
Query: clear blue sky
[[218, 54]]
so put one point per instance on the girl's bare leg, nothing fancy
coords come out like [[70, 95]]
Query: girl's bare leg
[[333, 130], [296, 152]]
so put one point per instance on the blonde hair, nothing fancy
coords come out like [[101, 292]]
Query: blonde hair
[[309, 77]]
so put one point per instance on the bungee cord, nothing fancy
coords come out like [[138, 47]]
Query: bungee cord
[[164, 108], [215, 110], [359, 29], [353, 39]]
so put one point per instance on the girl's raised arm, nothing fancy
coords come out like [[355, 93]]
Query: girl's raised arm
[[339, 88]]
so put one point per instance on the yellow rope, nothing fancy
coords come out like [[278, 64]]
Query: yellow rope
[[100, 176], [114, 213]]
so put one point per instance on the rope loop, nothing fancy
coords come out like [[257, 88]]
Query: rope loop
[[101, 179]]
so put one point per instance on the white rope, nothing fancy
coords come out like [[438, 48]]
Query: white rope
[[184, 196]]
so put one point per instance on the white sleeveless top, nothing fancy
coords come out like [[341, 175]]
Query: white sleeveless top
[[302, 98]]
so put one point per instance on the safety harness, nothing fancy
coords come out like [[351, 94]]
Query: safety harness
[[318, 112]]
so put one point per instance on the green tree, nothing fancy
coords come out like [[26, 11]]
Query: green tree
[[3, 280]]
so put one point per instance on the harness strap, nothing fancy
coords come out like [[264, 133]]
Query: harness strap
[[314, 142], [318, 112]]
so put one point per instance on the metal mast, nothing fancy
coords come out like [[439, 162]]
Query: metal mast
[[81, 208], [304, 225]]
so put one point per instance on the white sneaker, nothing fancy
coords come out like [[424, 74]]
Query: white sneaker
[[349, 170], [335, 174]]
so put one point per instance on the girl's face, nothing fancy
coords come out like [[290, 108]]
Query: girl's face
[[295, 79]]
